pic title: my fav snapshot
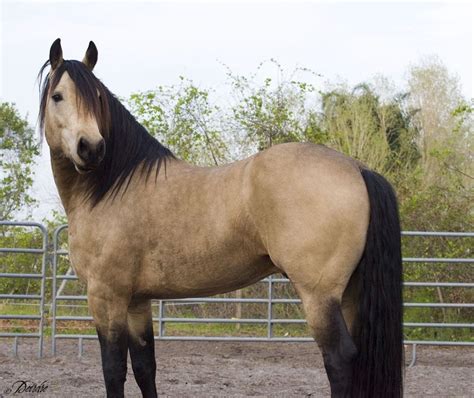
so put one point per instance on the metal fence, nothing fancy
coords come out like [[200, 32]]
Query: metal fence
[[13, 298], [58, 300]]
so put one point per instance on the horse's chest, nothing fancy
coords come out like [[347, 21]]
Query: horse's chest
[[88, 253], [79, 267]]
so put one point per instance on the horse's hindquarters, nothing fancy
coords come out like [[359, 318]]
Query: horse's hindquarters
[[310, 207], [312, 210]]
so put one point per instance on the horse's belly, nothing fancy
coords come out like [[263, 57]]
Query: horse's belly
[[188, 279]]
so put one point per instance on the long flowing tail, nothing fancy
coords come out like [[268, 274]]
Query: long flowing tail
[[378, 333]]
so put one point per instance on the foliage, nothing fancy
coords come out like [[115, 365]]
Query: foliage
[[437, 96], [420, 137], [17, 151], [273, 110], [183, 119], [380, 134]]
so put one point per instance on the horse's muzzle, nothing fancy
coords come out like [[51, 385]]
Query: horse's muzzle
[[90, 153]]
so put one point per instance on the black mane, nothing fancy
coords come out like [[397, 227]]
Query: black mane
[[128, 144]]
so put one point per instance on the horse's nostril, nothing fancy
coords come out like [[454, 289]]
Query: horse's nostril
[[83, 149], [100, 149], [91, 154]]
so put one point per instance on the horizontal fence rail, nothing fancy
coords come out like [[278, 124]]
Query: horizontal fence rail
[[69, 308]]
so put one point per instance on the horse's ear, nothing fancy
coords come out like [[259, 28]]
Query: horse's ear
[[90, 59], [56, 54]]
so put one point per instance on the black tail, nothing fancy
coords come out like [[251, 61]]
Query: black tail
[[378, 332]]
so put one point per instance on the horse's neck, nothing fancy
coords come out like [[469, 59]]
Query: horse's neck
[[67, 180]]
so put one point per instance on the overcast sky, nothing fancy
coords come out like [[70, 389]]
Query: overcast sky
[[144, 44]]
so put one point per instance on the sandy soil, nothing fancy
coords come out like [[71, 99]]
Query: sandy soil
[[216, 369]]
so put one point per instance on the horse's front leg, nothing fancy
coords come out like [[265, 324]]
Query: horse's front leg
[[109, 310], [141, 344]]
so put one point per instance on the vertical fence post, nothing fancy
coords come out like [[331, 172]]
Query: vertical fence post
[[44, 261], [238, 308], [15, 346], [54, 286], [413, 356], [160, 319], [270, 308], [80, 347], [53, 293]]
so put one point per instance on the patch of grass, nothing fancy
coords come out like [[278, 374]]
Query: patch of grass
[[233, 330]]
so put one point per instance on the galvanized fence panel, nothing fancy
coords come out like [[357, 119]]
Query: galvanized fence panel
[[61, 300], [270, 301], [11, 298]]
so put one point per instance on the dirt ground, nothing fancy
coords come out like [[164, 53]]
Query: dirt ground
[[217, 369]]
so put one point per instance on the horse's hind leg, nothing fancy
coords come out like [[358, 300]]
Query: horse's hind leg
[[321, 288], [324, 316], [141, 344]]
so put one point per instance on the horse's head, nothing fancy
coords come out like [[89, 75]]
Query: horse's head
[[73, 111]]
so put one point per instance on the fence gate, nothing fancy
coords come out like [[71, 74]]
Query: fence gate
[[16, 305]]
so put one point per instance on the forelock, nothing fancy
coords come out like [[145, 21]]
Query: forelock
[[87, 89]]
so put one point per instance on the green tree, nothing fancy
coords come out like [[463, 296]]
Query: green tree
[[274, 110], [183, 118], [438, 195], [18, 149], [378, 133], [445, 175], [437, 94]]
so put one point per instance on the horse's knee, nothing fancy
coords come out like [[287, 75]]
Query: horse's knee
[[109, 311], [142, 355], [142, 347], [113, 346]]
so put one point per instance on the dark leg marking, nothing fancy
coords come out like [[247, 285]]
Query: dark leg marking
[[339, 352], [113, 348], [142, 354]]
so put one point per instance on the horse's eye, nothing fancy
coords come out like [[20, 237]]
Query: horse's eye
[[57, 97]]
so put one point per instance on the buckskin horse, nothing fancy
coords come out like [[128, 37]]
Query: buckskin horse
[[145, 225]]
